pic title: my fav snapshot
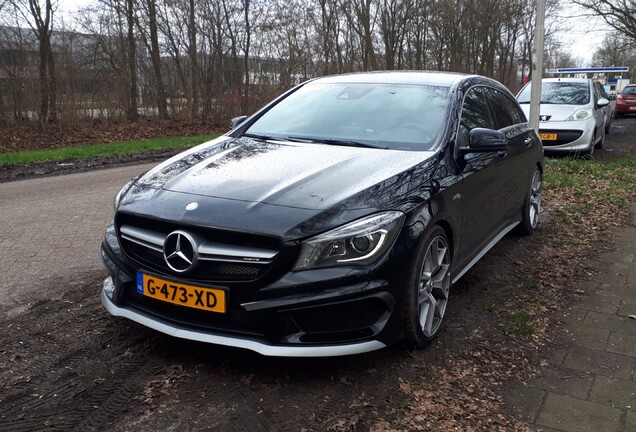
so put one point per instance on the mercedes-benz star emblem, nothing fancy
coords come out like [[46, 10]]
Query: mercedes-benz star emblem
[[180, 251]]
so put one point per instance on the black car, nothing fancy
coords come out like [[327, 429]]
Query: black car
[[331, 222]]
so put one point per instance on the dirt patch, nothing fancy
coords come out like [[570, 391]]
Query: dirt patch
[[66, 364]]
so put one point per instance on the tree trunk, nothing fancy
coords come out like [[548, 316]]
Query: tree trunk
[[156, 60], [132, 63], [194, 66]]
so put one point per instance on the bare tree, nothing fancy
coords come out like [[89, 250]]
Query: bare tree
[[38, 14], [618, 14], [617, 50], [131, 111], [150, 34]]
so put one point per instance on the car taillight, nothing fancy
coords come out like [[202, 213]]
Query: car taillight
[[620, 100]]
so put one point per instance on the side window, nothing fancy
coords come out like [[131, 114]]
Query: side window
[[505, 111], [475, 111], [597, 94], [475, 114], [601, 90]]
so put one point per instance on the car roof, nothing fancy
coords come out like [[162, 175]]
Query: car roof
[[401, 77]]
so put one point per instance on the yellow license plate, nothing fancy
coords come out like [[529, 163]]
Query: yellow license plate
[[548, 136], [209, 299], [632, 107]]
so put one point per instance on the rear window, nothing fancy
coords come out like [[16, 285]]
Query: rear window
[[629, 91], [559, 92]]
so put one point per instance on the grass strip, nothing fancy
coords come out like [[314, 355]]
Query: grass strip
[[588, 195], [111, 149]]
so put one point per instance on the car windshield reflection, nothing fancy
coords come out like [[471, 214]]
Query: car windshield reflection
[[559, 93], [401, 117]]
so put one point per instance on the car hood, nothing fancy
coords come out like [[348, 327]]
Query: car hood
[[300, 175], [287, 190], [556, 112]]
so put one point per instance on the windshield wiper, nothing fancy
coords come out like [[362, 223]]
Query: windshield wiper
[[277, 138], [259, 137], [338, 142]]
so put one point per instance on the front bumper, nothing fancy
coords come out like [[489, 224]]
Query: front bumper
[[571, 135], [260, 347], [319, 314]]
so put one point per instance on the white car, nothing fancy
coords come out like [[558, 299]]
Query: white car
[[574, 115]]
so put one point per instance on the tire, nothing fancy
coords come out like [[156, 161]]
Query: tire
[[531, 211], [427, 286], [590, 151], [599, 145]]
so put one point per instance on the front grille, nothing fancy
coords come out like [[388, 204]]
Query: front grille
[[205, 270], [222, 256]]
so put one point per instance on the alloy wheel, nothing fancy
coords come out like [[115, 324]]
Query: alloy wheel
[[534, 209], [434, 286]]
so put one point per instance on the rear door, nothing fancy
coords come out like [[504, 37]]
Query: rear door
[[522, 143]]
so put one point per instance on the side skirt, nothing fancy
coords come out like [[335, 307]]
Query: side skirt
[[485, 250]]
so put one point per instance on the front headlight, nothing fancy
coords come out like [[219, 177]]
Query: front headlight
[[357, 243], [583, 114], [122, 192]]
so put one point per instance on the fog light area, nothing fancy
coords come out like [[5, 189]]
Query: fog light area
[[109, 287]]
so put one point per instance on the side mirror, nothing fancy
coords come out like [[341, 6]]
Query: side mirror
[[237, 121], [602, 102], [484, 141]]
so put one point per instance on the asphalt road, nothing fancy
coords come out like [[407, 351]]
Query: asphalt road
[[50, 231]]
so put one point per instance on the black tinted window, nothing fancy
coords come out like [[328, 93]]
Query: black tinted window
[[505, 110], [475, 111]]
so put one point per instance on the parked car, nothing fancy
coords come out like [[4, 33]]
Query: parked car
[[574, 115], [331, 222], [626, 101]]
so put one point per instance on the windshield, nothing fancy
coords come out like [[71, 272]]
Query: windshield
[[559, 92], [406, 117]]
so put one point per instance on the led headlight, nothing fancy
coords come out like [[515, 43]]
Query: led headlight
[[122, 192], [357, 243], [583, 114]]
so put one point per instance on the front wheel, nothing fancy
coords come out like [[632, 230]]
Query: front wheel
[[426, 289], [531, 212], [599, 145]]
